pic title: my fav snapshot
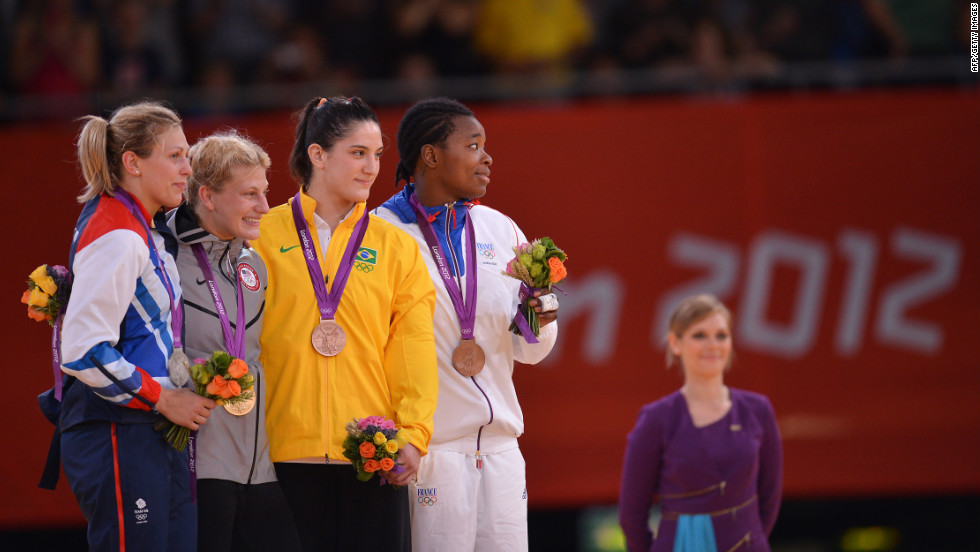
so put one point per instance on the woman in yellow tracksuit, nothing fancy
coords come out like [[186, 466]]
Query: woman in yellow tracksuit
[[331, 265]]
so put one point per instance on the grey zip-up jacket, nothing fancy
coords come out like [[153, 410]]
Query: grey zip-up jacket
[[229, 447]]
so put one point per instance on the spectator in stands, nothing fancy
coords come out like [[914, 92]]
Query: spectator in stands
[[55, 49], [533, 36]]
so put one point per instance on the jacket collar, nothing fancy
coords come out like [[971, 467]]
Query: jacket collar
[[399, 204], [309, 206], [186, 228]]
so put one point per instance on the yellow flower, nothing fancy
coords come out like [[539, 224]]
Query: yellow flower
[[39, 272], [379, 438], [48, 285], [401, 437], [391, 446], [38, 299]]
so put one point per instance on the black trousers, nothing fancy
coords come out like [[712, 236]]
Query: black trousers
[[233, 516], [336, 512]]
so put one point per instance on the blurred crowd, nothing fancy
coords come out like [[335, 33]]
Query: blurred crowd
[[136, 47]]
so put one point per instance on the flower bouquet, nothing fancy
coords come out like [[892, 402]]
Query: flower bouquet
[[223, 378], [372, 445], [539, 265], [47, 292]]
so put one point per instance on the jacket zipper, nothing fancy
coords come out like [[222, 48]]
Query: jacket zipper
[[452, 253], [258, 413], [258, 416]]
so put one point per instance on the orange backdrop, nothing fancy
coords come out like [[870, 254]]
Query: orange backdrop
[[842, 229]]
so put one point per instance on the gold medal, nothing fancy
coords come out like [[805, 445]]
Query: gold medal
[[240, 408], [468, 358], [328, 338], [178, 367]]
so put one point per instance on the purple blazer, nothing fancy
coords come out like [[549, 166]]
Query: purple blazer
[[731, 469]]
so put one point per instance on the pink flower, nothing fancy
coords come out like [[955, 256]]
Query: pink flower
[[363, 423]]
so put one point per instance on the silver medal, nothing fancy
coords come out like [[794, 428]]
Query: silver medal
[[179, 368]]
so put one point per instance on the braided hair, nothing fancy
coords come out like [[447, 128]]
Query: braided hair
[[324, 121], [429, 121]]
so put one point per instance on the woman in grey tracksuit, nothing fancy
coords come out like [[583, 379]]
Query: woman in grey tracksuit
[[240, 503]]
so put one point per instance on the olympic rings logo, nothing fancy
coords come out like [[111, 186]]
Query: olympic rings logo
[[363, 267], [428, 500], [488, 253]]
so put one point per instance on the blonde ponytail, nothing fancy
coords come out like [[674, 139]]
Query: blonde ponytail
[[92, 155]]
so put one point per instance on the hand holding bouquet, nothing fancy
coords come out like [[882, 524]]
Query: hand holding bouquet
[[47, 292], [222, 378], [539, 265], [372, 445]]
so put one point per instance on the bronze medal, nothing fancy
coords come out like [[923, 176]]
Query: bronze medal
[[178, 367], [241, 407], [329, 338], [468, 358]]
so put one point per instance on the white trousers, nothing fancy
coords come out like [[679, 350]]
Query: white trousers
[[457, 507]]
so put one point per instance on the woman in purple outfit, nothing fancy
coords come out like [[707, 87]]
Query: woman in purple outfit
[[710, 454]]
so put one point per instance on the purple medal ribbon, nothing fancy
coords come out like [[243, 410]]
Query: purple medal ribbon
[[326, 301], [524, 294], [234, 343], [192, 463], [176, 315], [56, 339], [465, 311], [56, 356]]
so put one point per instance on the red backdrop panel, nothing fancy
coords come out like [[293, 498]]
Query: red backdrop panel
[[841, 229]]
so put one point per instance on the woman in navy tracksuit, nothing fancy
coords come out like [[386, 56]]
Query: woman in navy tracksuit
[[119, 333]]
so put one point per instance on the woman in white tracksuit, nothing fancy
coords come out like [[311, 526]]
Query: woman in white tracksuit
[[470, 491]]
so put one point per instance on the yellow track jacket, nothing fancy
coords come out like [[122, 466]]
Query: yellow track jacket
[[388, 367]]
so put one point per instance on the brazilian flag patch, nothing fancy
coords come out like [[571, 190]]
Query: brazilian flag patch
[[365, 259], [365, 255]]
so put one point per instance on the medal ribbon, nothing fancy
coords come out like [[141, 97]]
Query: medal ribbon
[[326, 301], [465, 311], [524, 294], [56, 356], [176, 315], [234, 343]]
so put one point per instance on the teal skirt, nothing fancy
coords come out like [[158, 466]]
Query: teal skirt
[[694, 534]]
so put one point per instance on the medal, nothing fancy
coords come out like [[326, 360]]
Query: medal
[[468, 358], [328, 338], [240, 407], [178, 367]]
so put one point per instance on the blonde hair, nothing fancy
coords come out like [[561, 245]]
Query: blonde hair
[[101, 143], [215, 157], [691, 311]]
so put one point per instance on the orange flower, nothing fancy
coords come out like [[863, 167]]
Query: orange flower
[[371, 465], [387, 464], [226, 392], [36, 314], [26, 297], [233, 388], [367, 450], [557, 269], [217, 385], [237, 368]]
